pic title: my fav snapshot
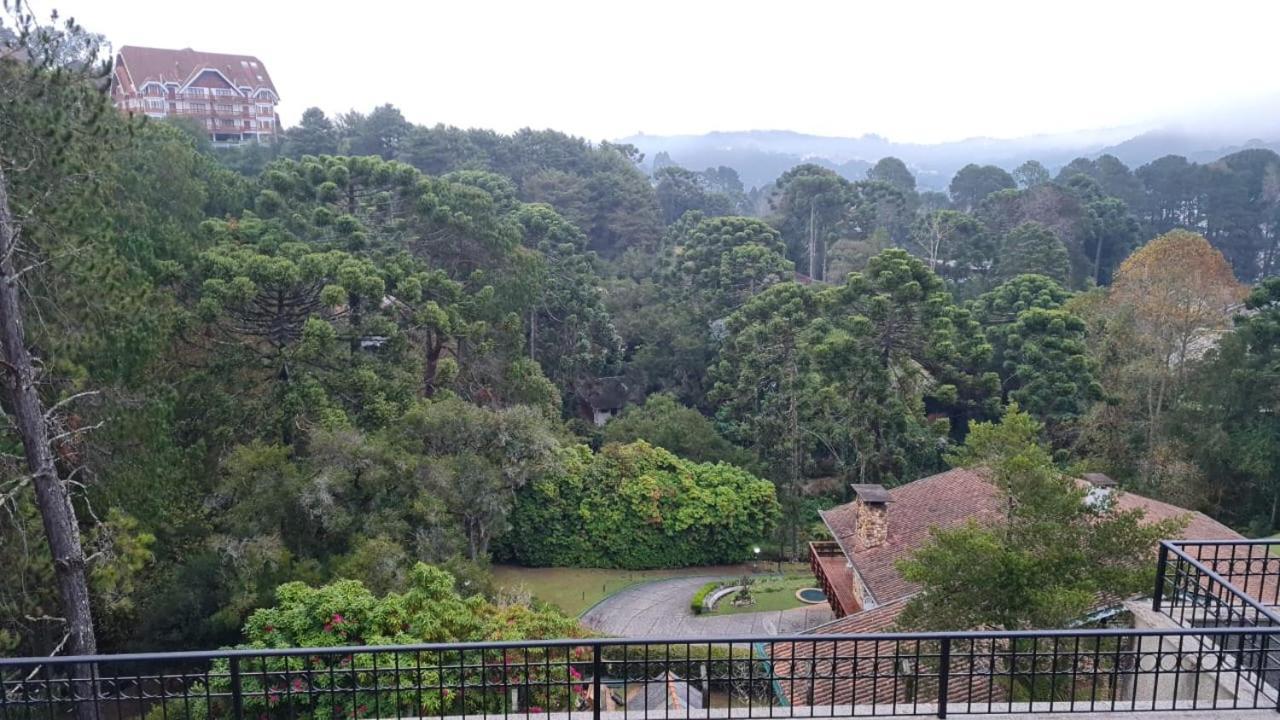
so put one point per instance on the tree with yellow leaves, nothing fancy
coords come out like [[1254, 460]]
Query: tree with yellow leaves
[[1181, 292], [1170, 302]]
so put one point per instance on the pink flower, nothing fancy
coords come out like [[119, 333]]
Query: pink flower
[[338, 619], [536, 709], [297, 685]]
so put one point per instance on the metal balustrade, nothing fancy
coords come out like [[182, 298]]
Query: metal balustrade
[[1221, 653]]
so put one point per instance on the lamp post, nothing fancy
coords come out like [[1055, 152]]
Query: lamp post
[[755, 566]]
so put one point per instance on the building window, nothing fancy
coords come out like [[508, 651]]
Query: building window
[[197, 91], [224, 108], [155, 105], [198, 107], [224, 92], [266, 110]]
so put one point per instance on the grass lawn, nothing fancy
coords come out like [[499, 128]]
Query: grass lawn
[[573, 590], [774, 593]]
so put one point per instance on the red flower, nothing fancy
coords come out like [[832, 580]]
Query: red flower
[[269, 628]]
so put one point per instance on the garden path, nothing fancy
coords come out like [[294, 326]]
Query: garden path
[[661, 609]]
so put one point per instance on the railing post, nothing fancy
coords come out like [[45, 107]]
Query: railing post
[[1162, 564], [237, 699], [1264, 663], [597, 669], [944, 675]]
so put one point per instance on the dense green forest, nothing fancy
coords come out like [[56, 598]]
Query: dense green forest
[[378, 344]]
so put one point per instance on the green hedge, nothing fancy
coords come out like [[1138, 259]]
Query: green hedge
[[639, 507], [701, 596]]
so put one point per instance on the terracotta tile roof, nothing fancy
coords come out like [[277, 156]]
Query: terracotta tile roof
[[948, 499], [863, 671], [875, 620], [857, 671], [940, 500], [137, 66]]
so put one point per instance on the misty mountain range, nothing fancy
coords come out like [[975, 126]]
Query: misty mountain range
[[760, 156]]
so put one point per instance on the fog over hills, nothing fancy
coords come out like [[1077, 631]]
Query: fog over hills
[[760, 156]]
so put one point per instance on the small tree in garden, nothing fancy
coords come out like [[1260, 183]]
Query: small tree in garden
[[1044, 559]]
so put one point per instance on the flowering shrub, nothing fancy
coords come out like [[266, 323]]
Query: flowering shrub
[[335, 682]]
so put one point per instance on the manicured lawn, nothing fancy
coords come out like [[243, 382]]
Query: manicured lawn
[[774, 593], [573, 590]]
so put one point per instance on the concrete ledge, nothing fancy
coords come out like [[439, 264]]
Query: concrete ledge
[[709, 602]]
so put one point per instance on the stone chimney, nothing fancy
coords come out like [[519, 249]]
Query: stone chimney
[[872, 504]]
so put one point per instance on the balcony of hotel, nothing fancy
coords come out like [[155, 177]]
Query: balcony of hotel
[[833, 572]]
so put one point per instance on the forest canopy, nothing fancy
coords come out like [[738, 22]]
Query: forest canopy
[[363, 363]]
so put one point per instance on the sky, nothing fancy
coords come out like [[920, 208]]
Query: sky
[[910, 71]]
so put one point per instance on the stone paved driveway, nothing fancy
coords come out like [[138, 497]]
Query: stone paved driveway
[[661, 609]]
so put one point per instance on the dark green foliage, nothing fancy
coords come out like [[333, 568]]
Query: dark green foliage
[[726, 261], [974, 183], [1229, 425], [894, 172], [679, 191], [1030, 174], [663, 422], [1232, 200], [636, 506], [1032, 248], [315, 134], [1039, 351]]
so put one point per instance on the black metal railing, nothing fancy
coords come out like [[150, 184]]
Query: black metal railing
[[1252, 566], [1202, 584], [1098, 670], [1223, 654], [1217, 584]]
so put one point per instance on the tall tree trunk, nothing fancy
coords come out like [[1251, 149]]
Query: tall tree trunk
[[1097, 263], [56, 511]]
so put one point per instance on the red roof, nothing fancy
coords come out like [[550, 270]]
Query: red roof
[[944, 500], [136, 66], [863, 670]]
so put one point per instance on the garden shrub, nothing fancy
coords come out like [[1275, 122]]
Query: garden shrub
[[639, 507], [700, 597], [338, 683]]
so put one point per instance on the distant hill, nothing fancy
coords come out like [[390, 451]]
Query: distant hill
[[760, 156]]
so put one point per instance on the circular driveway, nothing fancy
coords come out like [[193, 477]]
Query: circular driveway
[[661, 609]]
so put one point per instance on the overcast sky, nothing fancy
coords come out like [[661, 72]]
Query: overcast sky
[[911, 71]]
